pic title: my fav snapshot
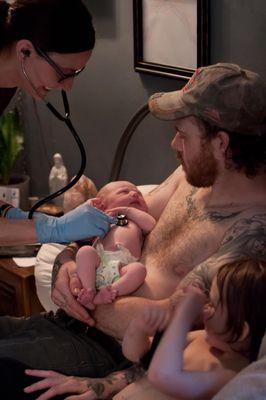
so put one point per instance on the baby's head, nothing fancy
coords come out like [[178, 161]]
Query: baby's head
[[236, 313], [121, 194]]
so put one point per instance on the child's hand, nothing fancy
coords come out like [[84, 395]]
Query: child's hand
[[192, 303], [196, 291]]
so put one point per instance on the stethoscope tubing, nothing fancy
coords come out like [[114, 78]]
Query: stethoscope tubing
[[66, 119], [71, 128]]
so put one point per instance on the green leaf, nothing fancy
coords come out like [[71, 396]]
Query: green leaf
[[11, 143]]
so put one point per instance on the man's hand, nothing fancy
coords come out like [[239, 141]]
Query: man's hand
[[56, 384], [66, 288]]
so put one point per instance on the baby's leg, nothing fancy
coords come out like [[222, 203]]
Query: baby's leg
[[87, 261], [132, 276]]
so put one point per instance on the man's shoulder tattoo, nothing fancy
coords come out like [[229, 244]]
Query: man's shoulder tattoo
[[247, 236], [245, 239]]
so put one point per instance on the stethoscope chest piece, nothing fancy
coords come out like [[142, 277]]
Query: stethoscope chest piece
[[122, 220]]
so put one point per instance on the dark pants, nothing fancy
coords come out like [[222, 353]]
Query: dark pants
[[55, 342], [13, 380]]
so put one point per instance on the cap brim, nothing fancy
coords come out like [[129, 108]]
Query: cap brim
[[168, 106]]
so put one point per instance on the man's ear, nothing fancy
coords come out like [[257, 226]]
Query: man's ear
[[24, 48], [245, 332]]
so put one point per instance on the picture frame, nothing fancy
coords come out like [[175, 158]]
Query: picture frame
[[158, 27]]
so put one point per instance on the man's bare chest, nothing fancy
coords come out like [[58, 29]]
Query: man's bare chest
[[185, 236]]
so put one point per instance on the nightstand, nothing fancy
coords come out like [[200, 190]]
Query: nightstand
[[17, 290]]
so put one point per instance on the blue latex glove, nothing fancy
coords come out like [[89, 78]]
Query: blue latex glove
[[17, 213], [83, 222]]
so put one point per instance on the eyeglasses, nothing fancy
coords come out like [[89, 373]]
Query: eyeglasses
[[56, 67]]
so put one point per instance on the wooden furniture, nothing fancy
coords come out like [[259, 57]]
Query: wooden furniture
[[17, 290]]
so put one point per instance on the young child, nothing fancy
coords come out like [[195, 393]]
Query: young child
[[195, 365], [111, 265]]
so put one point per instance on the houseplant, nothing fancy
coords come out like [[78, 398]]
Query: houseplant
[[11, 145]]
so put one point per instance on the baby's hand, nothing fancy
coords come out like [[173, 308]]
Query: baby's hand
[[114, 212]]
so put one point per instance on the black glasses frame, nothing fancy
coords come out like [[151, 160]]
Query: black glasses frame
[[56, 67]]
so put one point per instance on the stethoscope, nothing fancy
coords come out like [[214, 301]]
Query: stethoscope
[[66, 119]]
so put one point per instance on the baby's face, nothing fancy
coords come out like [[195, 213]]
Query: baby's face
[[124, 194]]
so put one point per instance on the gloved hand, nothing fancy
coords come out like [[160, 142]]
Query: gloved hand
[[17, 213], [83, 222]]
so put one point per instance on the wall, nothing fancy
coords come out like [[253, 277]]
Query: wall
[[108, 92]]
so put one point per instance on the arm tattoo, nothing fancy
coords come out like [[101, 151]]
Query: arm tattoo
[[114, 382], [134, 373], [98, 388], [56, 267], [246, 238], [69, 253]]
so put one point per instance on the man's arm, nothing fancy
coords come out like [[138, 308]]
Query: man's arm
[[114, 318], [111, 318], [159, 197], [65, 284]]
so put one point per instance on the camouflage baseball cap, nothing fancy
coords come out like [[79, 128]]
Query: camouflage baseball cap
[[223, 94]]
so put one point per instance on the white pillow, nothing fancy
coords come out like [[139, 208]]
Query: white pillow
[[43, 273]]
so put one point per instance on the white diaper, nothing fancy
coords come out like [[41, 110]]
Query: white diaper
[[111, 261]]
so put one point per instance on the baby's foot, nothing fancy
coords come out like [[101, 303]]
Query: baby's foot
[[105, 295], [86, 296]]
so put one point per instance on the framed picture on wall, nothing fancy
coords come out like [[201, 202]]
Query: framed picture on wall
[[171, 37]]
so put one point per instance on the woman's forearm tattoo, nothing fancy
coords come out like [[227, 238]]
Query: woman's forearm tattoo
[[115, 382], [134, 373], [98, 388]]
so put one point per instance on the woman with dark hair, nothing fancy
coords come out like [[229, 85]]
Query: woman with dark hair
[[44, 45]]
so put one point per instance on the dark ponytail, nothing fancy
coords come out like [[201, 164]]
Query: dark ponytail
[[61, 26], [4, 7]]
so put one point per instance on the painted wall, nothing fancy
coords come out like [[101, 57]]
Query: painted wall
[[108, 92]]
